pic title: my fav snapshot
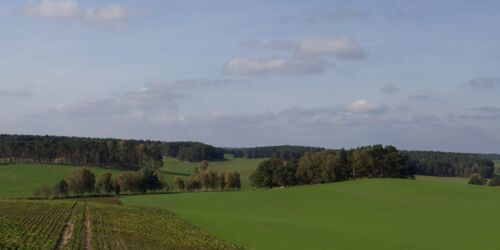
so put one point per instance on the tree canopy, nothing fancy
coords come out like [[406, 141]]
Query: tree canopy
[[332, 166]]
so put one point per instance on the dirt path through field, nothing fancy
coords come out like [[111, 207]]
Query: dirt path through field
[[68, 230], [88, 231]]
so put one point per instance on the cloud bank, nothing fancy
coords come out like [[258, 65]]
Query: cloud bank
[[308, 56]]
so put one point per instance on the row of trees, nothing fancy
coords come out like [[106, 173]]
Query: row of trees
[[332, 166], [208, 180], [450, 164], [133, 154], [285, 152], [82, 181], [192, 151]]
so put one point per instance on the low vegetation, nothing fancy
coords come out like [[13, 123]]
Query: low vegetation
[[31, 225], [83, 225]]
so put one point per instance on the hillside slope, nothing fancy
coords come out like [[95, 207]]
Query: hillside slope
[[363, 214]]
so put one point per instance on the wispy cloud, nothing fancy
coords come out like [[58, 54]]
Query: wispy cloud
[[327, 16], [308, 56], [389, 88], [6, 93], [487, 82], [250, 66], [112, 14], [151, 97], [341, 47], [366, 107]]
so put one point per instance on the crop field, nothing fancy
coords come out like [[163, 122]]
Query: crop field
[[31, 224], [20, 180], [365, 214], [174, 167], [86, 225]]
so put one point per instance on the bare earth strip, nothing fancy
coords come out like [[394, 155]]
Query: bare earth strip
[[68, 230], [88, 231]]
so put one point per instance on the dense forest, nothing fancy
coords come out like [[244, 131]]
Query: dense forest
[[285, 152], [114, 153], [132, 154], [192, 151], [332, 166], [450, 164]]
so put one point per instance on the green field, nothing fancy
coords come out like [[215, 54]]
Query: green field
[[22, 179], [366, 214], [497, 166], [174, 167]]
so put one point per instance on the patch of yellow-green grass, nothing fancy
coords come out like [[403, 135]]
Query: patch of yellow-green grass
[[20, 180]]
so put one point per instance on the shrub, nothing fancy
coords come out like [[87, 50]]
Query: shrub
[[476, 179], [495, 181]]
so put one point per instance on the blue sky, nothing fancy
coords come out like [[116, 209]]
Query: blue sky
[[415, 74]]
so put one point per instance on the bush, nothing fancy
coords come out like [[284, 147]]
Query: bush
[[476, 179], [495, 181]]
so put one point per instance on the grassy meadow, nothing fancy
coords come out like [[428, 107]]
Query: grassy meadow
[[20, 180], [427, 213]]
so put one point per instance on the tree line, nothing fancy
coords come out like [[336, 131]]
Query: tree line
[[332, 166], [450, 164], [133, 154], [285, 152], [82, 181], [113, 153], [208, 180]]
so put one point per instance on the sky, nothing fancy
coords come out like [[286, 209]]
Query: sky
[[419, 75]]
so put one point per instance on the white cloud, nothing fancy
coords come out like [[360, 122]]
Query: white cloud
[[341, 47], [310, 55], [366, 107], [328, 16], [114, 13], [248, 66], [53, 9], [274, 44]]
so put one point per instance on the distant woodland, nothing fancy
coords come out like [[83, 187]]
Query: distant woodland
[[135, 154], [451, 164], [113, 153], [285, 152]]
